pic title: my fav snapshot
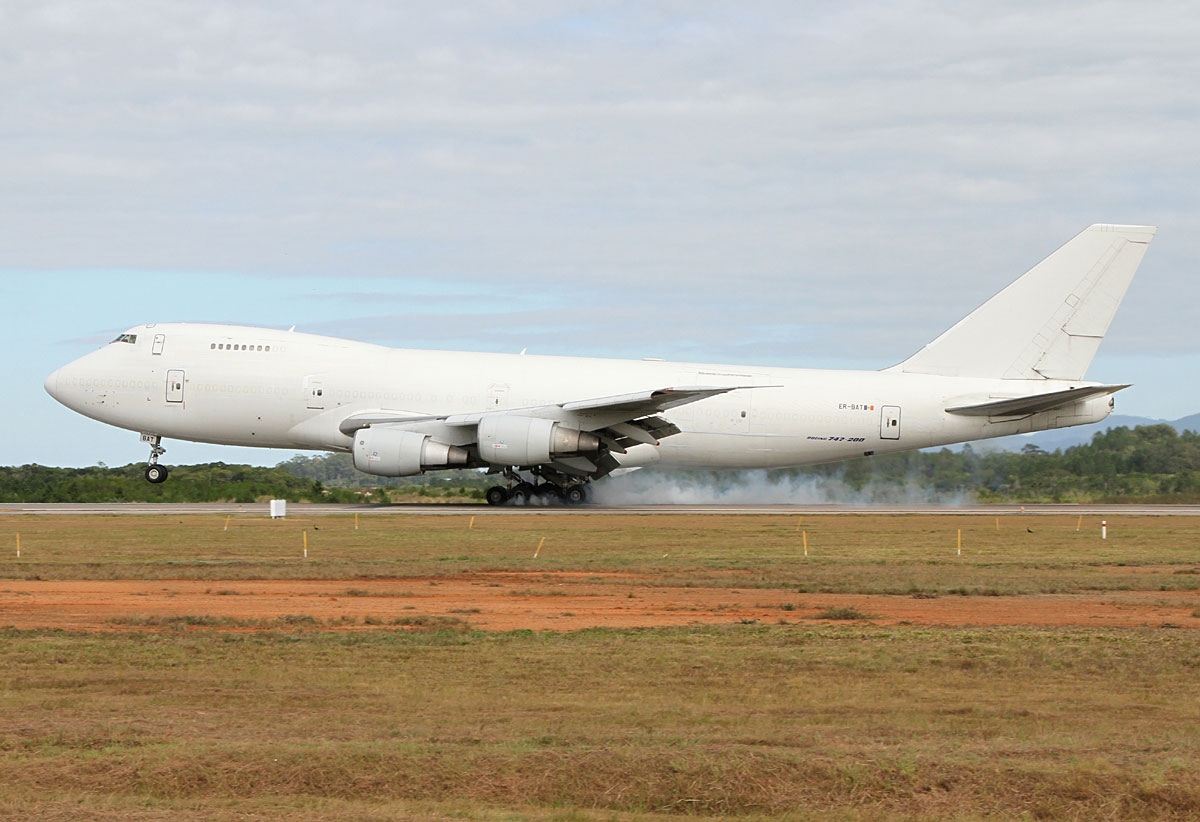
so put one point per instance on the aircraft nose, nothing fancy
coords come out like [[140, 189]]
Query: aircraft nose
[[63, 385], [52, 385]]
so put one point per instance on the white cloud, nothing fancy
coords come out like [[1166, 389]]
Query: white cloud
[[781, 172]]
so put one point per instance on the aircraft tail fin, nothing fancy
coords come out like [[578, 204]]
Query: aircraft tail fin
[[1049, 323]]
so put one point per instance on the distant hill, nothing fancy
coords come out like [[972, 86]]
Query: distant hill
[[1191, 423], [1063, 438]]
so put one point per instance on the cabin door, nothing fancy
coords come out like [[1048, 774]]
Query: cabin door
[[314, 392], [175, 385], [889, 423]]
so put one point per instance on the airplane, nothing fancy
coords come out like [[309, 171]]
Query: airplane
[[547, 426]]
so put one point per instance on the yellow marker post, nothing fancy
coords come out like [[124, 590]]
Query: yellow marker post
[[805, 535], [306, 544], [227, 518], [960, 542], [471, 525], [18, 546], [1079, 524], [539, 548]]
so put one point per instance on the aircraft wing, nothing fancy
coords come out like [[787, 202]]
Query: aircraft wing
[[620, 422], [608, 410], [621, 412], [1033, 403]]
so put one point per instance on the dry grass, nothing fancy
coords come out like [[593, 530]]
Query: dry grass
[[740, 720], [299, 720]]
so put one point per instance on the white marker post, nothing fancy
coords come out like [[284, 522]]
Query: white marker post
[[1103, 529]]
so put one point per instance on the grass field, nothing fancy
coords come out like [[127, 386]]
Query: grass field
[[201, 718], [864, 554]]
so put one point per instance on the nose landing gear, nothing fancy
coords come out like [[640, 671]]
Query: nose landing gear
[[155, 473]]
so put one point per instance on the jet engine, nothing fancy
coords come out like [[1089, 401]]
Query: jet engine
[[393, 452], [514, 440]]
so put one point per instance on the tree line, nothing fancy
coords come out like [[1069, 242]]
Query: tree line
[[1149, 463]]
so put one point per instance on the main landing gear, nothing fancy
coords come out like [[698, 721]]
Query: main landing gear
[[546, 493], [155, 473], [530, 493]]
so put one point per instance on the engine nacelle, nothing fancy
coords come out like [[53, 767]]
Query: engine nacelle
[[391, 452], [513, 440]]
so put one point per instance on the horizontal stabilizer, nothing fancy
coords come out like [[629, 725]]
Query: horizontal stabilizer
[[1033, 403]]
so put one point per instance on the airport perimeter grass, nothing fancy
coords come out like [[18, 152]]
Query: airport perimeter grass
[[872, 554], [737, 721]]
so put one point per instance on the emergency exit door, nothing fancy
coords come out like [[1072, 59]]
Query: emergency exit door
[[175, 385], [889, 423]]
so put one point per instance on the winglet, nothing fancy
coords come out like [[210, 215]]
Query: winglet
[[1049, 323]]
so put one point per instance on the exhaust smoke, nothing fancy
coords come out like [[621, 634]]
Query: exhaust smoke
[[650, 487]]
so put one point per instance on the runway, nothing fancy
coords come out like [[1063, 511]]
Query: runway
[[435, 509]]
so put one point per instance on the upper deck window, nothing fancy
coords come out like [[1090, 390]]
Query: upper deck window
[[126, 338]]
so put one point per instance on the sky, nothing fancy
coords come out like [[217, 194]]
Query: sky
[[824, 185]]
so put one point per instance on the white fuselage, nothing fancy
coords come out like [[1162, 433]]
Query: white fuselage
[[261, 387]]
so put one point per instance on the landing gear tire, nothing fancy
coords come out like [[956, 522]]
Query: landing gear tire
[[549, 492], [521, 494], [155, 473], [576, 494], [496, 495]]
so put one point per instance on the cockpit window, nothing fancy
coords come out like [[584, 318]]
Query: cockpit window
[[126, 338]]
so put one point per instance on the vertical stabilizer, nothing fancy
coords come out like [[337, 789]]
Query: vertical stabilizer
[[1049, 323]]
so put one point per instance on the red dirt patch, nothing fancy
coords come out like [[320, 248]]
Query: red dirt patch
[[551, 601]]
